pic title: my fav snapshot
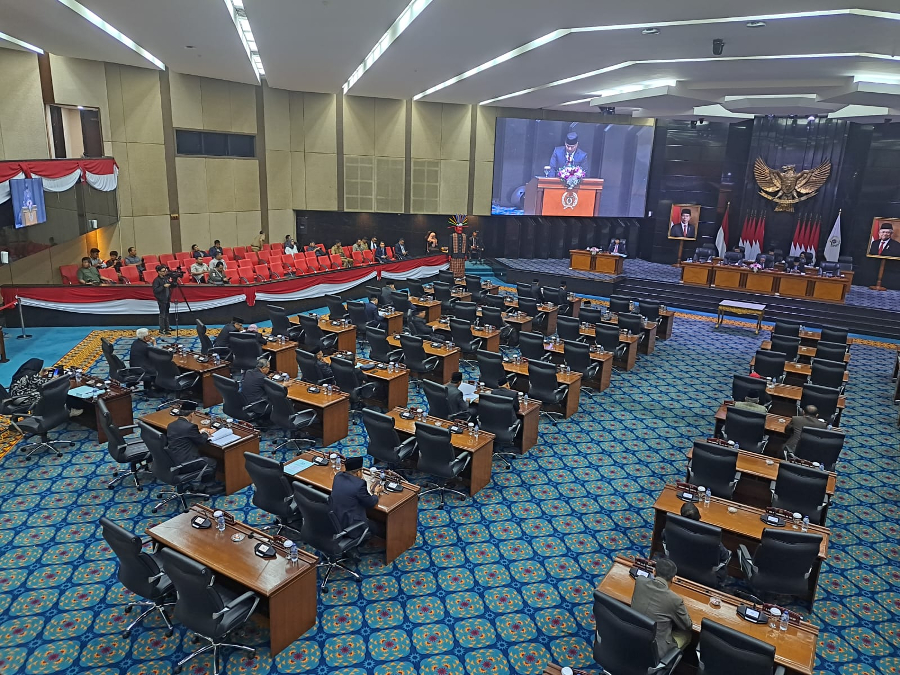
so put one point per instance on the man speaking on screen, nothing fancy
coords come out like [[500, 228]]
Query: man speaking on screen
[[568, 154]]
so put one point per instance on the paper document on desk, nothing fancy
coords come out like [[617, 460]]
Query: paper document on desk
[[224, 437], [297, 466], [85, 392], [468, 392]]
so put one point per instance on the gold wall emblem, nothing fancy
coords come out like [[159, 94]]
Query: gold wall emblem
[[787, 187]]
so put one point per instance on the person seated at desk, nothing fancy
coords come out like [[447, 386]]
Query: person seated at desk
[[617, 246], [419, 327], [373, 318], [735, 256], [252, 389], [809, 418], [456, 404], [751, 403], [323, 367], [236, 326], [689, 510], [185, 440], [139, 355], [654, 599], [254, 329], [88, 275], [350, 497], [767, 260]]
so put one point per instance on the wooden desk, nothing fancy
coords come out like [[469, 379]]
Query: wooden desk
[[346, 341], [448, 357], [231, 470], [482, 450], [521, 323], [696, 273], [288, 592], [396, 383], [551, 310], [768, 282], [648, 345], [432, 309], [801, 371], [529, 413], [285, 356], [394, 321], [487, 286], [332, 410], [117, 399], [629, 358], [786, 396], [490, 339], [570, 403], [461, 294], [605, 359], [600, 262], [188, 362], [795, 648], [397, 510], [803, 351], [776, 427], [742, 527], [666, 324]]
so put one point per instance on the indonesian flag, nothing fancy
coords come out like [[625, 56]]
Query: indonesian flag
[[745, 233], [759, 236], [722, 235], [813, 242], [833, 247], [798, 236]]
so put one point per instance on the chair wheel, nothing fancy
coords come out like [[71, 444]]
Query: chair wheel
[[128, 609], [153, 510], [196, 639], [169, 633], [126, 633], [176, 669], [140, 489]]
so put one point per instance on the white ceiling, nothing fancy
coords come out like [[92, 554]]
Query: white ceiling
[[314, 45]]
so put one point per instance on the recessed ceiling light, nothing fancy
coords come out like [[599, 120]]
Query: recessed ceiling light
[[15, 41], [650, 31], [242, 23], [756, 24], [111, 30]]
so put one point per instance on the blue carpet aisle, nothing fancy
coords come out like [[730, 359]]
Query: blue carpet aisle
[[498, 584]]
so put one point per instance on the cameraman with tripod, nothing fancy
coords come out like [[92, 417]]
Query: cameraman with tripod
[[161, 291]]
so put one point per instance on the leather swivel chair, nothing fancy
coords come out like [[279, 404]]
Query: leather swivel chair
[[309, 370], [281, 324], [493, 316], [745, 386], [314, 338], [827, 373], [769, 364], [438, 458], [835, 335], [733, 258], [787, 345], [694, 547], [577, 356], [543, 386], [801, 489], [607, 336], [649, 310], [233, 404], [831, 351], [438, 402], [467, 311], [336, 308], [415, 358], [346, 377], [820, 445], [619, 304], [415, 288], [461, 333], [245, 351], [531, 345], [178, 476], [788, 328], [379, 347], [524, 291], [497, 415], [590, 315], [118, 371], [283, 415], [444, 292], [569, 329], [124, 449], [357, 314], [400, 301], [385, 445], [824, 398], [473, 286], [538, 318], [141, 573], [721, 648], [747, 428], [634, 324], [782, 563], [830, 269], [490, 367], [168, 377], [206, 345], [48, 413], [714, 466], [446, 276], [272, 492], [210, 610]]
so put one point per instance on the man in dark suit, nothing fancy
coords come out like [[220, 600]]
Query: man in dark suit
[[323, 367], [654, 599], [683, 229], [185, 439], [809, 418], [386, 291], [139, 356], [884, 245], [236, 326], [767, 260], [617, 246], [252, 389], [419, 327], [691, 511], [373, 318], [568, 154], [400, 252], [456, 404], [350, 497], [381, 253]]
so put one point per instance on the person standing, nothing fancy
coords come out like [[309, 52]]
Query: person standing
[[458, 247], [162, 291], [258, 242], [474, 246]]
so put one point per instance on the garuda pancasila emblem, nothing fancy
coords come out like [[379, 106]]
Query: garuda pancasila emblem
[[787, 187]]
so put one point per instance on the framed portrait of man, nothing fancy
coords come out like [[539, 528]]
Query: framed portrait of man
[[684, 221], [884, 239]]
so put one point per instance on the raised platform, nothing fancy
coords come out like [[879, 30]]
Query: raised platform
[[865, 311]]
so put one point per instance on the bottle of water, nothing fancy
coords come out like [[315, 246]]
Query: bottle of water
[[471, 428], [476, 432], [216, 358], [220, 521], [707, 497], [785, 620], [335, 463], [805, 526], [292, 551]]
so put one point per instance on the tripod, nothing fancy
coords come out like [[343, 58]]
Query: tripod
[[180, 288]]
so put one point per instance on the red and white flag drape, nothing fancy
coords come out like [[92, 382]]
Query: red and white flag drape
[[58, 175]]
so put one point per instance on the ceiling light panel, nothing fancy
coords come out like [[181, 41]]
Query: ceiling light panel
[[21, 43], [242, 23], [111, 30], [407, 16]]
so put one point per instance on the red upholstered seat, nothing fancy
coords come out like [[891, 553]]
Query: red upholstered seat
[[300, 265], [369, 255], [131, 274], [110, 274], [252, 257], [239, 252], [69, 274], [262, 273], [150, 261], [264, 256], [358, 258]]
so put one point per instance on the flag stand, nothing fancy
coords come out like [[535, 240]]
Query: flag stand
[[680, 250], [878, 286]]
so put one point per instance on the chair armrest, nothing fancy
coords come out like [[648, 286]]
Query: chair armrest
[[133, 371], [668, 661], [248, 598], [251, 406], [351, 531], [407, 447], [188, 468]]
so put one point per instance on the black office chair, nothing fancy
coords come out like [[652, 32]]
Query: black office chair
[[714, 466], [438, 403], [497, 301], [493, 316], [336, 309], [524, 291], [446, 276], [703, 254], [787, 345], [830, 269], [210, 610], [9, 404], [168, 377], [400, 301], [309, 370], [118, 371], [788, 328], [178, 476], [384, 443], [831, 351], [245, 351], [769, 364], [694, 547], [721, 648], [415, 288], [538, 318], [417, 361], [733, 258], [633, 323], [437, 457], [490, 367], [233, 404], [625, 640], [141, 573], [497, 415], [283, 415], [379, 347], [272, 492], [820, 445], [619, 304], [827, 373], [782, 563], [322, 531], [357, 313], [746, 386], [747, 428], [835, 336], [473, 286], [577, 356], [649, 310], [314, 338], [800, 489], [824, 398], [569, 329], [206, 345], [345, 377], [846, 262], [531, 345], [590, 315], [48, 413], [461, 333], [124, 449], [443, 292], [543, 385], [281, 324], [607, 337], [467, 311]]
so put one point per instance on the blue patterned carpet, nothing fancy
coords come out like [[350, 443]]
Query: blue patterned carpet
[[499, 584]]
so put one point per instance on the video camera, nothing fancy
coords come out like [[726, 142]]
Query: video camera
[[174, 275]]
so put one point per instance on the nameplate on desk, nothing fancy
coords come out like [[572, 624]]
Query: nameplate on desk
[[85, 392], [297, 466]]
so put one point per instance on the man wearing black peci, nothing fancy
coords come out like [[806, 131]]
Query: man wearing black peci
[[350, 497], [885, 245], [185, 439], [162, 291], [236, 326]]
